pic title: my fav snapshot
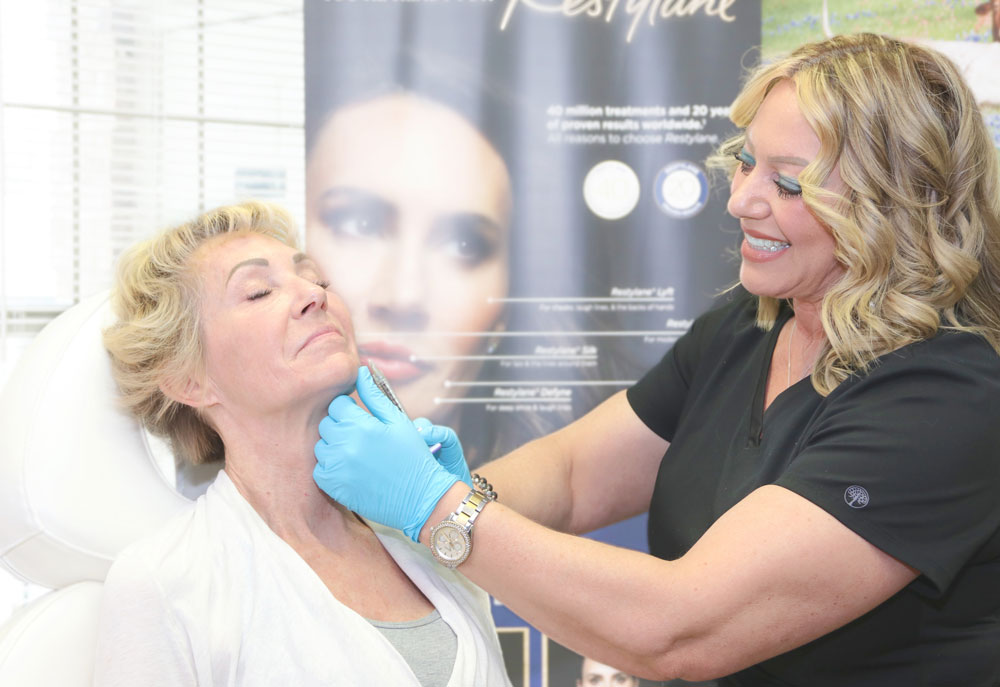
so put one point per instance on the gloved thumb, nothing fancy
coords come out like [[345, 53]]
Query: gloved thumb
[[377, 402]]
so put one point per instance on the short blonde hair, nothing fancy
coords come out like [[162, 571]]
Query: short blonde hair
[[918, 229], [156, 338]]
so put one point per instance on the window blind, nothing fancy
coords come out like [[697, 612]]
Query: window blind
[[121, 117]]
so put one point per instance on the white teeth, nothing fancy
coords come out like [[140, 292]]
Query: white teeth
[[765, 244]]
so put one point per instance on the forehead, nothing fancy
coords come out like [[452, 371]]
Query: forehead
[[404, 147], [779, 125], [220, 254]]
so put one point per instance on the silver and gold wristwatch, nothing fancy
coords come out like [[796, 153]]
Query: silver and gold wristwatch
[[451, 539]]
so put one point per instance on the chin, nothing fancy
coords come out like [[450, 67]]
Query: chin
[[342, 373], [759, 285]]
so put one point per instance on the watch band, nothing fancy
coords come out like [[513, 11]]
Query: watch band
[[470, 508], [451, 539]]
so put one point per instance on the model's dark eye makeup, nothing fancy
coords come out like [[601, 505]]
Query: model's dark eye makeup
[[468, 238], [356, 214]]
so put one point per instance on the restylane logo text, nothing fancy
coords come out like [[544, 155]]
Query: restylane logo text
[[653, 10]]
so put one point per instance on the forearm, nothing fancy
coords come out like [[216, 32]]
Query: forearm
[[571, 588], [773, 573], [529, 478], [573, 480]]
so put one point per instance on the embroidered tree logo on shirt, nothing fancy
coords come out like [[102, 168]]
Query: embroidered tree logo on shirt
[[856, 497]]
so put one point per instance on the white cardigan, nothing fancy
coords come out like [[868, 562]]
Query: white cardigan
[[216, 598]]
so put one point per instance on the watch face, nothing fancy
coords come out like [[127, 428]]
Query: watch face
[[450, 542]]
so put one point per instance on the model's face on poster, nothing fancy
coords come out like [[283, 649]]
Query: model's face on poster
[[594, 674], [408, 212]]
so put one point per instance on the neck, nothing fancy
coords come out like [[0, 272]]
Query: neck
[[270, 461], [810, 322], [806, 337]]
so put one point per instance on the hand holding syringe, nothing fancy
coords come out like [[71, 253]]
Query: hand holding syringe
[[383, 385]]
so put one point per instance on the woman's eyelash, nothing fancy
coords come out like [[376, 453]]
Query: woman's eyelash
[[322, 283], [786, 187], [746, 165]]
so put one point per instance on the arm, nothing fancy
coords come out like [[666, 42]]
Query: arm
[[571, 479], [771, 574]]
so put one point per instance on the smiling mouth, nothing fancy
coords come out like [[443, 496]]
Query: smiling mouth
[[768, 245]]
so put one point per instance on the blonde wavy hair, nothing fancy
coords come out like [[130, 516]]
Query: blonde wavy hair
[[156, 339], [918, 228]]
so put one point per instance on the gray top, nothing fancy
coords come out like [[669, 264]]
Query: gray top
[[427, 644]]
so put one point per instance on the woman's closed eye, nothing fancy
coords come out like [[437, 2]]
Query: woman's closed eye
[[787, 187], [746, 160], [257, 294]]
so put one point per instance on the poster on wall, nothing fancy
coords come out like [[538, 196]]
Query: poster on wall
[[511, 197]]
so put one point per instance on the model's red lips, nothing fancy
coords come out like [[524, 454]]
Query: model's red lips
[[394, 361]]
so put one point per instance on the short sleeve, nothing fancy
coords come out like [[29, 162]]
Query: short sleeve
[[140, 641], [908, 456], [658, 397]]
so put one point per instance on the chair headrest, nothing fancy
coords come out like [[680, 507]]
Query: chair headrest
[[79, 477]]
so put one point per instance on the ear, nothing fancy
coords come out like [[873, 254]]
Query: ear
[[191, 390]]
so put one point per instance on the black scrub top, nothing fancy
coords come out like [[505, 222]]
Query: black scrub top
[[906, 455]]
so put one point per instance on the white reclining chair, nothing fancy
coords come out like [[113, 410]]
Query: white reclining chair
[[79, 480]]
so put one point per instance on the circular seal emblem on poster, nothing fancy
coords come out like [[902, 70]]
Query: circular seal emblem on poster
[[681, 189], [611, 189]]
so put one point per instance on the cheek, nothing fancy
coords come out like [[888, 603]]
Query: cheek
[[344, 265], [234, 361], [460, 298], [340, 310], [734, 186]]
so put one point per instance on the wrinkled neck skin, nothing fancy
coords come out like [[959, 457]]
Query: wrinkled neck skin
[[269, 457], [810, 323]]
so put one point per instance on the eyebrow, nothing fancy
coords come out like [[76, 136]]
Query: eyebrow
[[260, 262], [356, 195], [786, 159]]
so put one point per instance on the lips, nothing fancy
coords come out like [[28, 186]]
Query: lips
[[770, 245], [320, 334], [757, 247], [393, 360]]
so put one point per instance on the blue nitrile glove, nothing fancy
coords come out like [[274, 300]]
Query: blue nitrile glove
[[378, 465], [451, 456]]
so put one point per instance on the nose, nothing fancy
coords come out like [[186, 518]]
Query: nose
[[313, 297], [746, 196], [399, 292]]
